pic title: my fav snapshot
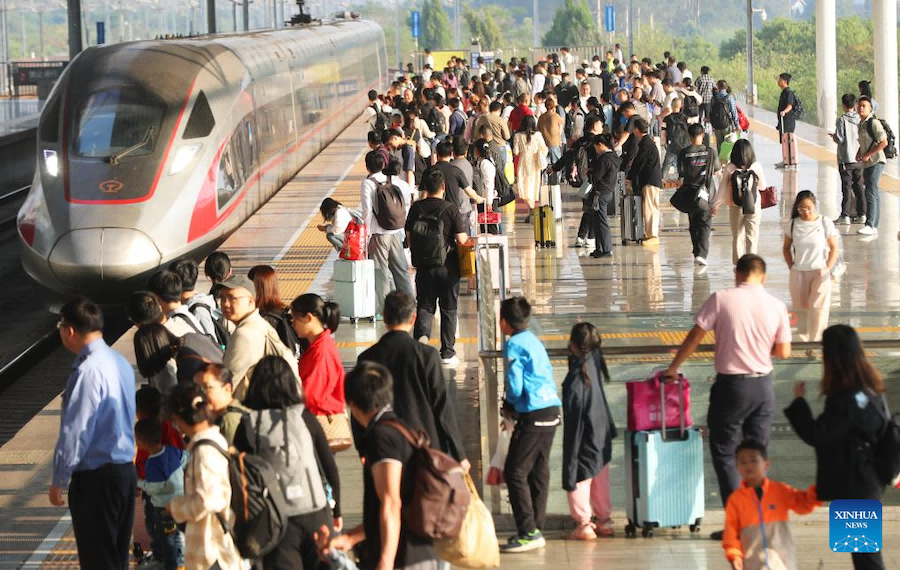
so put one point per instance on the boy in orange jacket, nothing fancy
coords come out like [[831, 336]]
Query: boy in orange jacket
[[757, 532]]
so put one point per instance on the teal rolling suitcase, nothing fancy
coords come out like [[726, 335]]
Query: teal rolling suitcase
[[663, 480]]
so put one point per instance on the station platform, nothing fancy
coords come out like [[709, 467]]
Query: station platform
[[17, 115], [641, 296]]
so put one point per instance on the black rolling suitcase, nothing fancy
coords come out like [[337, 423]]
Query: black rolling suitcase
[[632, 219]]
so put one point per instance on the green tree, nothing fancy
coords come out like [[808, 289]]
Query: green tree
[[435, 26], [484, 27], [573, 25]]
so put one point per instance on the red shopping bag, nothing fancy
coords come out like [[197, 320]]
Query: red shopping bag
[[743, 121], [654, 400], [356, 238]]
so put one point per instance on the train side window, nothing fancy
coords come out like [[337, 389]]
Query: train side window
[[201, 122], [229, 180], [50, 127]]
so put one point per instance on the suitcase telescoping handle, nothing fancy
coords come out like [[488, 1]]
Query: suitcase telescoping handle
[[661, 382]]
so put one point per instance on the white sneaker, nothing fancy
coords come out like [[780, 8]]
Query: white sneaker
[[451, 362], [590, 243], [423, 339], [842, 221], [700, 261], [779, 165], [579, 242], [867, 231]]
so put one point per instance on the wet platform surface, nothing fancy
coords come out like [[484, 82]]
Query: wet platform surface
[[641, 296]]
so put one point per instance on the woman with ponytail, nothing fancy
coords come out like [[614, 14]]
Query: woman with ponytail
[[207, 491], [321, 369], [588, 430]]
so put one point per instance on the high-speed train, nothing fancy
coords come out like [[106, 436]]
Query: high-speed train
[[154, 150]]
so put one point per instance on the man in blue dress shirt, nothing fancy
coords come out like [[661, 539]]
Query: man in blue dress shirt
[[94, 455]]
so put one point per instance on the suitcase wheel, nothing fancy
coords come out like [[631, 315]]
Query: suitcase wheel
[[624, 242], [354, 320], [647, 532], [695, 528], [630, 531], [372, 319]]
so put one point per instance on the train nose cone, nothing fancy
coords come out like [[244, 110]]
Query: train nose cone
[[102, 257]]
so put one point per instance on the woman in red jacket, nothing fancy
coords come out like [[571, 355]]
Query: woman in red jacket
[[321, 370]]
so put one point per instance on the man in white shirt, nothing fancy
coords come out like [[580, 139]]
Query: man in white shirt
[[429, 59], [617, 54], [167, 288], [385, 246]]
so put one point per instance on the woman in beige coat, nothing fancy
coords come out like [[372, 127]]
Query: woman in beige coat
[[207, 490]]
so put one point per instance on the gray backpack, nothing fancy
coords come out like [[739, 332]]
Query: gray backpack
[[283, 440]]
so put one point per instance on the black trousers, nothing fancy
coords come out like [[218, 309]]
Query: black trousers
[[867, 561], [527, 474], [297, 550], [740, 407], [433, 286], [699, 225], [600, 219], [102, 505], [585, 228], [852, 189]]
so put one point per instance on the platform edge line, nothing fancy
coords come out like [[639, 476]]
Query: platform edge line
[[47, 545]]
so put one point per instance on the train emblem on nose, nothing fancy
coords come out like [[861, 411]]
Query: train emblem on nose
[[111, 186]]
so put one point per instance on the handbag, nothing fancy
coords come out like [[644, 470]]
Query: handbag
[[655, 404], [356, 239], [337, 431], [466, 260], [585, 190], [476, 546], [768, 197], [498, 460]]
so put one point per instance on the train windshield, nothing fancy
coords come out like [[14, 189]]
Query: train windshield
[[120, 121]]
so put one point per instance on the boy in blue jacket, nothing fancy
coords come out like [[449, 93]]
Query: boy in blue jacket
[[163, 480], [532, 403]]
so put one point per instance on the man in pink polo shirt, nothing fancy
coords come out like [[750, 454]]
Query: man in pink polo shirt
[[751, 326]]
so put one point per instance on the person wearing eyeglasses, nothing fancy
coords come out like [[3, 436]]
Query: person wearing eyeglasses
[[253, 337], [95, 450]]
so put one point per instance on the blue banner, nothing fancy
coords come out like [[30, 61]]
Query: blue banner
[[101, 33], [415, 25], [610, 19]]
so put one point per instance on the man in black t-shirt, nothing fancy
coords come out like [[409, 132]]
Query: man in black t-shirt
[[696, 165], [458, 188], [387, 482], [787, 122], [436, 281]]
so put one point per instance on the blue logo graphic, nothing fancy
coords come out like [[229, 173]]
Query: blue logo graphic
[[855, 525]]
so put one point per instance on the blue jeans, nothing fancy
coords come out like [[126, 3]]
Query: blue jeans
[[170, 538], [670, 161], [871, 176]]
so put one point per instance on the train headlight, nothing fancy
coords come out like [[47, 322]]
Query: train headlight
[[183, 158], [51, 162]]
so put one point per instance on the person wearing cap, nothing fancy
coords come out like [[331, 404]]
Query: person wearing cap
[[253, 337]]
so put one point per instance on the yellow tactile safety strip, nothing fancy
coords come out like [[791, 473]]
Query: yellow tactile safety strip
[[888, 182], [299, 267], [666, 338]]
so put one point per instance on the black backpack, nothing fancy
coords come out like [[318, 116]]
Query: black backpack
[[890, 151], [578, 171], [744, 186], [427, 244], [798, 109], [388, 205], [435, 120], [222, 335], [719, 116], [691, 107], [569, 125], [281, 322], [679, 137], [502, 188], [382, 121], [257, 501]]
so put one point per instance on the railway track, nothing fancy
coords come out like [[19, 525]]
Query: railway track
[[9, 206]]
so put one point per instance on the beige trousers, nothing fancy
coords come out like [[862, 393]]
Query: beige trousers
[[811, 299], [651, 211], [744, 232]]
